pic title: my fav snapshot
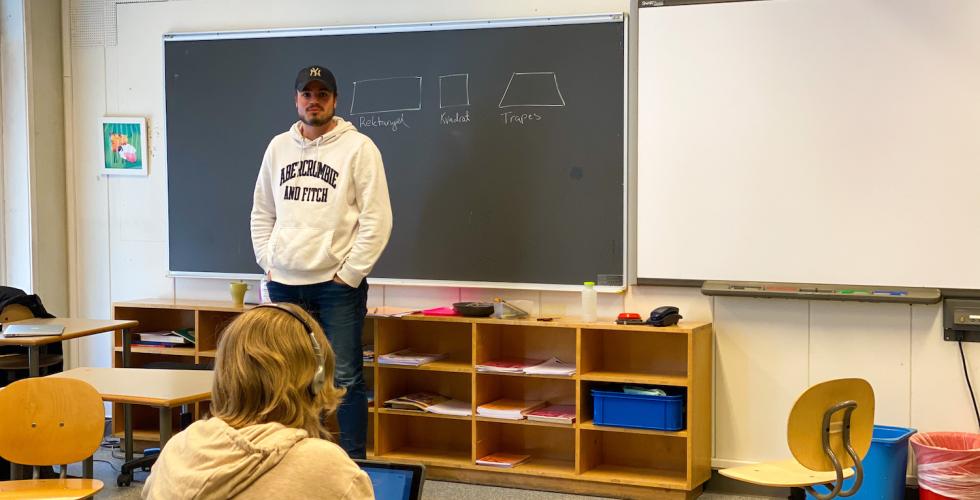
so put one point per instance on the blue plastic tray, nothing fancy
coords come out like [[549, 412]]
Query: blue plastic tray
[[616, 409]]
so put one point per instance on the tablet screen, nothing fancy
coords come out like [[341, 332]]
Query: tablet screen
[[390, 484]]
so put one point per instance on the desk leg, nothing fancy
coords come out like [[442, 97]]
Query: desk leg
[[127, 344], [88, 468], [16, 471], [128, 430], [34, 360], [166, 426]]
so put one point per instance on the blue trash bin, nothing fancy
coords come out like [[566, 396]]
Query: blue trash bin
[[884, 465]]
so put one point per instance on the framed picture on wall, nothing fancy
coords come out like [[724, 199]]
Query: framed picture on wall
[[124, 145]]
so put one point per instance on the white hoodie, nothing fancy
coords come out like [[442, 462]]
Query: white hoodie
[[211, 460], [320, 207]]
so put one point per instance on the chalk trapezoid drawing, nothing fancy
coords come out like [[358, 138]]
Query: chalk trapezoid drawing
[[454, 90], [385, 95], [532, 89]]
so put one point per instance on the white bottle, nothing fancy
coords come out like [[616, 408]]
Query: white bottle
[[588, 302]]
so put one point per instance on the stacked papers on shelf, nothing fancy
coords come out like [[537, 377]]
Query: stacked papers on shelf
[[508, 365], [164, 339], [561, 414], [553, 366], [368, 353], [430, 402], [510, 409], [408, 357], [502, 459]]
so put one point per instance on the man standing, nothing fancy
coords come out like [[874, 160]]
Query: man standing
[[320, 219]]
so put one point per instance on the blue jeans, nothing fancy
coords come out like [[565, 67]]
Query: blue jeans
[[340, 309]]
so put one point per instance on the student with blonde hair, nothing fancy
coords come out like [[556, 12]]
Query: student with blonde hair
[[273, 385]]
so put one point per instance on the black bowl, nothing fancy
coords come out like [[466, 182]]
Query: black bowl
[[474, 309]]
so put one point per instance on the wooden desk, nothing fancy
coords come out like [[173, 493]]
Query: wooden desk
[[163, 389], [74, 328]]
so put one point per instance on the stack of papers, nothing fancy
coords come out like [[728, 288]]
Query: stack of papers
[[502, 459], [165, 339], [553, 366], [509, 365], [561, 414], [408, 357], [368, 353], [430, 402], [509, 409]]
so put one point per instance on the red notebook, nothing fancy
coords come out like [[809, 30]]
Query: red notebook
[[562, 414], [502, 459], [440, 311]]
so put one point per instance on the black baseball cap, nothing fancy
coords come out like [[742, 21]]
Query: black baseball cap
[[316, 73]]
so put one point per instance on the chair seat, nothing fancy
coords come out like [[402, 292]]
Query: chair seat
[[784, 473], [50, 489], [21, 362]]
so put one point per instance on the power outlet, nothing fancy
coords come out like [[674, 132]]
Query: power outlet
[[961, 320]]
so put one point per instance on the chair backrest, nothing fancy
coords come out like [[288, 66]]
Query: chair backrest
[[15, 312], [50, 421], [805, 426]]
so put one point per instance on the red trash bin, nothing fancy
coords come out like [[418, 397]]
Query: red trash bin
[[948, 465]]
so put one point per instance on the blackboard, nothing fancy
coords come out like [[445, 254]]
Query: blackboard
[[503, 143]]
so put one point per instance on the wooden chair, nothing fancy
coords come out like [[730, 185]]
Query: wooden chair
[[12, 363], [50, 421], [829, 432]]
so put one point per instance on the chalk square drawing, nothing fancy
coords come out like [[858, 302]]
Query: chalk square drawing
[[124, 145], [532, 89], [454, 90], [384, 95]]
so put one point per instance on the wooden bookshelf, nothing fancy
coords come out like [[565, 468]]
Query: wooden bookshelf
[[581, 457]]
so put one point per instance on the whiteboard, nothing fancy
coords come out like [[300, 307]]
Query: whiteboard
[[813, 141]]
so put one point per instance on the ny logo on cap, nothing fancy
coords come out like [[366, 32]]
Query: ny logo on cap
[[314, 71]]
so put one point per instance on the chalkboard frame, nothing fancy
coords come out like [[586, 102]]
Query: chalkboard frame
[[617, 17]]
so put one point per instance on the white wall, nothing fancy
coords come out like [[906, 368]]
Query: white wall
[[767, 351]]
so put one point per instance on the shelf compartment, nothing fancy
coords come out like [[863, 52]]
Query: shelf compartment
[[524, 375], [532, 423], [151, 354], [410, 438], [491, 387], [451, 339], [590, 426], [151, 436], [163, 351], [644, 357], [435, 366], [422, 414], [495, 342], [640, 459], [210, 324], [394, 382], [552, 449], [635, 378], [153, 320]]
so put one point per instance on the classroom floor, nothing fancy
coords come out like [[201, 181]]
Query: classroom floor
[[107, 466]]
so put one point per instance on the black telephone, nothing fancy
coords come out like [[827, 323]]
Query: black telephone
[[664, 316]]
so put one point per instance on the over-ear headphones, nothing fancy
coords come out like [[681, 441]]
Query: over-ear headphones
[[320, 376]]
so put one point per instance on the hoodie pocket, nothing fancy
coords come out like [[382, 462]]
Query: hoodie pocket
[[302, 249]]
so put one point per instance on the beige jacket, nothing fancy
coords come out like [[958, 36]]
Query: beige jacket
[[211, 460]]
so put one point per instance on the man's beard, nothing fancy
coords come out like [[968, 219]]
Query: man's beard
[[318, 121]]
